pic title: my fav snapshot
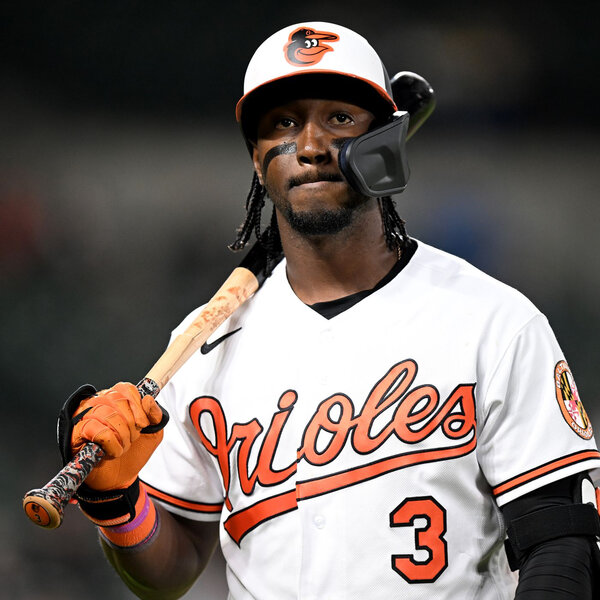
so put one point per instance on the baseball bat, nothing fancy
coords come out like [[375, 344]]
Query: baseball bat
[[415, 95], [45, 506]]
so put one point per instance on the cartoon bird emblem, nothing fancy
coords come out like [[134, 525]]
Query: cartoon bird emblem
[[307, 47]]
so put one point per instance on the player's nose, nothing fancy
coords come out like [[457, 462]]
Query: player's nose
[[313, 145]]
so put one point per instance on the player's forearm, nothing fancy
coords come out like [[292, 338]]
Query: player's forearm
[[166, 566]]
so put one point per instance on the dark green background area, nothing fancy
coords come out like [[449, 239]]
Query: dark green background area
[[190, 57], [123, 178]]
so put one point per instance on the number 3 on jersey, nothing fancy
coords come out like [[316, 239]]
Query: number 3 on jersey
[[428, 537]]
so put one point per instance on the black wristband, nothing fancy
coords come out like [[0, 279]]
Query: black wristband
[[113, 507]]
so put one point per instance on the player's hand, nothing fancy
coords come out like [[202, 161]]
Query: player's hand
[[114, 418]]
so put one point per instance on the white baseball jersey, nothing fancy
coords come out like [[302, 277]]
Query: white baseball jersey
[[367, 455]]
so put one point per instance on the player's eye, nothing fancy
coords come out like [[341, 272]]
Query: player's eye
[[341, 119], [284, 123]]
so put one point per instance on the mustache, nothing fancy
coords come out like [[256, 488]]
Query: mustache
[[313, 178]]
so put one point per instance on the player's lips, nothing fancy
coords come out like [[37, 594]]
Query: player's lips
[[316, 185], [309, 181]]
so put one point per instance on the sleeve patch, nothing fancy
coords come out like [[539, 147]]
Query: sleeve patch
[[570, 403]]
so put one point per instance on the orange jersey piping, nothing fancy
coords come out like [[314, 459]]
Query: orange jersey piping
[[198, 507], [549, 467]]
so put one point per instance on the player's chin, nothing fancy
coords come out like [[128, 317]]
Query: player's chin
[[318, 224], [320, 220]]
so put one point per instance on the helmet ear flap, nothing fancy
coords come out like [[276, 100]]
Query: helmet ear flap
[[375, 163]]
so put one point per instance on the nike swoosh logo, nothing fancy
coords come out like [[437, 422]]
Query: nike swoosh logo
[[206, 347]]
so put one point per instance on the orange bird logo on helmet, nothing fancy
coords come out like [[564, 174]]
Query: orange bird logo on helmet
[[307, 47]]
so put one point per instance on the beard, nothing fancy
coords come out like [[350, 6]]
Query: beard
[[322, 220]]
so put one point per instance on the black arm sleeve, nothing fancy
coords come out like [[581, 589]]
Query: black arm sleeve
[[559, 569]]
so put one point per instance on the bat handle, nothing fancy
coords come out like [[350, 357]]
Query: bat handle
[[45, 506]]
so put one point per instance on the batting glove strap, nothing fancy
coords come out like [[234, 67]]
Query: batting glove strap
[[66, 422], [110, 508]]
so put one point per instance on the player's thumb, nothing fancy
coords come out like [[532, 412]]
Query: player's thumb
[[152, 410]]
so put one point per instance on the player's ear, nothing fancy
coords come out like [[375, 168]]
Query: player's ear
[[257, 165]]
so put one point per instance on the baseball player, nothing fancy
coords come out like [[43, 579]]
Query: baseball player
[[380, 420]]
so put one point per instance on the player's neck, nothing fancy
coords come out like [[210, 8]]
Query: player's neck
[[328, 267]]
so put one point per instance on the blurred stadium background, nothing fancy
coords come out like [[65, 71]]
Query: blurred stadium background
[[123, 177]]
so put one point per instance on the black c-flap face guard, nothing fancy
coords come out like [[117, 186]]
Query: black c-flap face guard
[[375, 163]]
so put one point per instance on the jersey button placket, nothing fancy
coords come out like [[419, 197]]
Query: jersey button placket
[[319, 521], [325, 343], [313, 572]]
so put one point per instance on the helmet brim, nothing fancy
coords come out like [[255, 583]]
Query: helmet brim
[[324, 85]]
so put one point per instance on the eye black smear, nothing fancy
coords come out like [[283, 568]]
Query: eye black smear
[[285, 148]]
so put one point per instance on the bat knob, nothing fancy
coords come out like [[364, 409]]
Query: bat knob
[[41, 510], [45, 506]]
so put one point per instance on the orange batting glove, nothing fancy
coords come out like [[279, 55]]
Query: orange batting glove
[[129, 428], [114, 419]]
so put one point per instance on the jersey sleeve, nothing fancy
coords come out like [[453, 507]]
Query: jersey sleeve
[[179, 474], [533, 428]]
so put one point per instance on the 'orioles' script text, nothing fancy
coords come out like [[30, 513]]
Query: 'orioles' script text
[[417, 415]]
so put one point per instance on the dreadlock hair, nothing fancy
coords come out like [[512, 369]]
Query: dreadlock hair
[[254, 205], [394, 227], [394, 230], [269, 238]]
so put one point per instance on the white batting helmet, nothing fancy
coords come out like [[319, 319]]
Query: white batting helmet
[[331, 59]]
